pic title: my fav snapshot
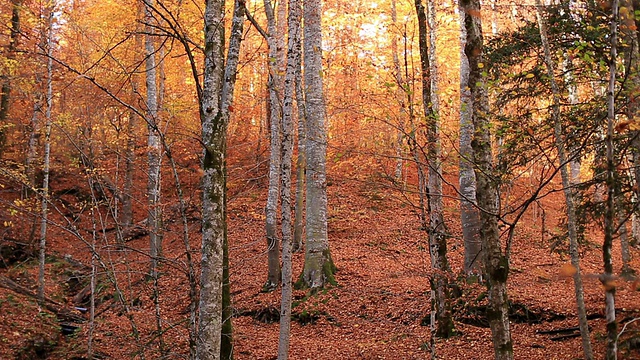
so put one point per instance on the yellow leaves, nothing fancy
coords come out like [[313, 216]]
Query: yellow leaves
[[529, 75], [568, 270], [480, 65], [627, 125]]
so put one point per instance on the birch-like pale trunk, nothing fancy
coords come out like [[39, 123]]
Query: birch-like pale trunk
[[441, 307], [214, 226], [565, 174], [469, 216], [154, 146], [609, 219], [298, 227], [293, 58], [47, 34], [496, 263], [400, 94], [275, 115], [318, 265]]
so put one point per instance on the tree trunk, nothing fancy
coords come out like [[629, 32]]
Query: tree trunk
[[437, 229], [5, 79], [632, 91], [273, 277], [228, 86], [318, 265], [566, 184], [301, 160], [609, 220], [496, 262], [400, 94], [293, 58], [47, 34], [469, 216], [153, 143], [214, 226]]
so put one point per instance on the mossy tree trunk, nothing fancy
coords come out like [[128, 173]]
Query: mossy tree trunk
[[496, 262], [318, 266]]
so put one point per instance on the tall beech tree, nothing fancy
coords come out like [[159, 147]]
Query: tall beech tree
[[469, 215], [214, 225], [293, 59], [274, 88], [47, 43], [496, 262], [437, 229], [318, 265], [154, 146], [609, 216]]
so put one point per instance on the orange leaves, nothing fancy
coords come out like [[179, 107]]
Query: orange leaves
[[627, 125], [568, 270]]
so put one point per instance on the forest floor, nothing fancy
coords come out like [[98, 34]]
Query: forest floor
[[378, 310]]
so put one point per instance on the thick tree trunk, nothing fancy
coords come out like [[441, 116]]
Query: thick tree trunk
[[214, 226], [271, 209], [566, 184], [469, 216], [318, 265], [496, 262], [293, 58]]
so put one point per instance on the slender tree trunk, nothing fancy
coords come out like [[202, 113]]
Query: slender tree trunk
[[400, 94], [214, 226], [566, 184], [609, 220], [301, 160], [496, 262], [47, 34], [437, 229], [228, 87], [293, 58], [273, 277], [318, 265], [469, 216], [153, 143]]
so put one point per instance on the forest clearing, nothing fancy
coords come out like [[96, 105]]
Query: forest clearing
[[319, 179]]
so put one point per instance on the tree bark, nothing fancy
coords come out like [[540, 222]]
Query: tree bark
[[609, 220], [214, 226], [154, 146], [496, 263], [47, 34], [293, 58], [565, 173], [437, 229], [318, 265], [301, 160], [5, 79], [469, 216], [274, 85]]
